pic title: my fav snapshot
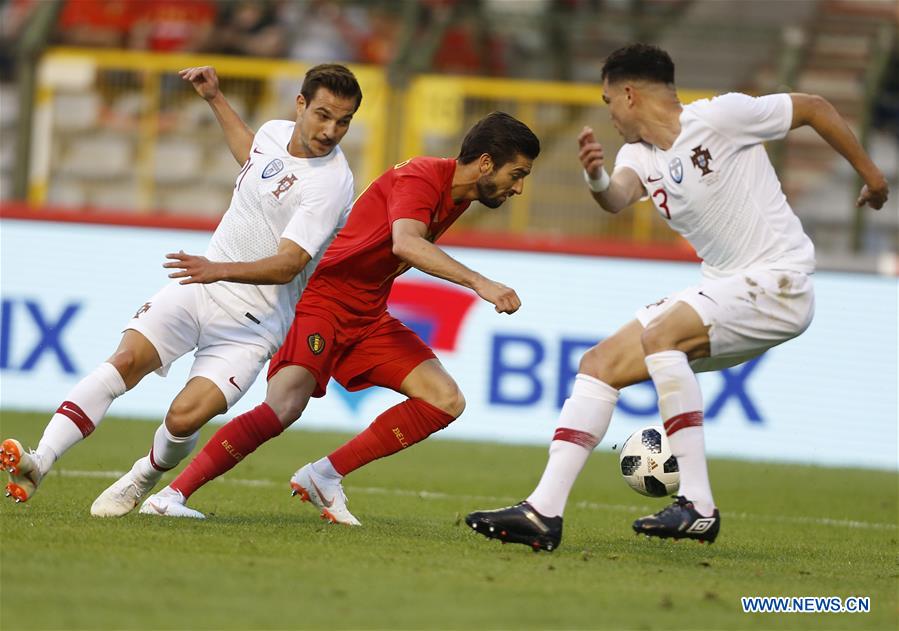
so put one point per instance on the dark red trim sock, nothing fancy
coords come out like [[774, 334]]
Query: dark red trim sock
[[682, 421], [75, 414], [399, 427], [229, 445]]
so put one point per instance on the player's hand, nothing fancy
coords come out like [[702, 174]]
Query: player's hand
[[504, 299], [194, 269], [204, 80], [590, 154], [874, 193]]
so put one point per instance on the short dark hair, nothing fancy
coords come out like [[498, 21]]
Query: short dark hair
[[639, 61], [335, 78], [502, 137]]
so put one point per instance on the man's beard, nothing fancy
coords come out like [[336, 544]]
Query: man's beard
[[487, 191]]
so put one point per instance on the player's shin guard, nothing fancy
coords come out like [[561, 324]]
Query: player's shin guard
[[680, 404], [228, 446], [583, 422], [399, 427], [83, 409]]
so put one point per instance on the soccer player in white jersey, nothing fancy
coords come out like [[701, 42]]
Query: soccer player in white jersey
[[233, 305], [705, 169]]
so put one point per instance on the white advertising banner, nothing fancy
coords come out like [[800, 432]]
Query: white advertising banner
[[828, 397]]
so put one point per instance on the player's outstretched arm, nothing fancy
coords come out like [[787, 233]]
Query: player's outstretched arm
[[411, 245], [237, 134], [273, 270], [613, 193], [822, 116]]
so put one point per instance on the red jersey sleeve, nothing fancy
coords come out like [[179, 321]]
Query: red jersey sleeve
[[415, 194]]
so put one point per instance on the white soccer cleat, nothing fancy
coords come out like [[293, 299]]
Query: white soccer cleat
[[326, 494], [23, 468], [124, 494], [169, 503]]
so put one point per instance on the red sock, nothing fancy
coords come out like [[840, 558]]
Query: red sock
[[399, 427], [228, 446]]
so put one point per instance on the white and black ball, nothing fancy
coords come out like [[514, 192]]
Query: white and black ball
[[647, 464]]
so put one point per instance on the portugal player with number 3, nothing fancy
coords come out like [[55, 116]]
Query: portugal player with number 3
[[707, 173]]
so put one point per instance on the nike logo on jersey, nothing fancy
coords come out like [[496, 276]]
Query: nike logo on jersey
[[655, 179], [325, 501], [234, 383], [704, 296], [256, 150]]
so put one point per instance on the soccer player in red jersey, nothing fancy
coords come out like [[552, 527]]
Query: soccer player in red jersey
[[343, 329]]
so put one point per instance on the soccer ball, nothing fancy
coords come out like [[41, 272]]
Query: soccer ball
[[647, 464]]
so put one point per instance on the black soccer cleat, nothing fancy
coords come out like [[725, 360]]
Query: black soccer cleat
[[518, 524], [680, 521]]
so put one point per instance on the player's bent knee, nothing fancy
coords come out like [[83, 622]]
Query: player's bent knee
[[287, 406], [656, 338], [591, 362], [456, 404], [448, 398], [604, 362], [600, 361], [184, 419], [125, 362]]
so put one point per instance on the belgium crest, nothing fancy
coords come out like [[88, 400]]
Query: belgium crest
[[316, 343]]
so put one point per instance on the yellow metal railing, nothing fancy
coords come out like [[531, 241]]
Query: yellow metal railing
[[439, 109], [141, 98], [120, 129]]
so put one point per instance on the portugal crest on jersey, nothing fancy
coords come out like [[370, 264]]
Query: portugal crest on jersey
[[676, 169], [284, 185], [701, 159], [316, 343]]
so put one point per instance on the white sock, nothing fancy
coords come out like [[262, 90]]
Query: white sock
[[680, 404], [167, 452], [83, 409], [583, 422], [324, 468]]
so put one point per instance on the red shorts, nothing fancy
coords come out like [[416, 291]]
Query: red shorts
[[382, 353]]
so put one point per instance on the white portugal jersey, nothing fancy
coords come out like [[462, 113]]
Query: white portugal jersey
[[717, 188], [277, 196]]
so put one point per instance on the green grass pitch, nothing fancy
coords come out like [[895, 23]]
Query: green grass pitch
[[265, 561]]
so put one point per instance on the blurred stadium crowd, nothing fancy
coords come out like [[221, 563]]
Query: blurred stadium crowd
[[845, 50]]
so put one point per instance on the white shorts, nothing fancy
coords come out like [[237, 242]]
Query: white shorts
[[747, 313], [181, 318]]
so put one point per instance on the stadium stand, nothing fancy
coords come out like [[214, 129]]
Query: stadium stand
[[118, 131]]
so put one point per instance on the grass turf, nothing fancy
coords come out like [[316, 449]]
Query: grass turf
[[264, 560]]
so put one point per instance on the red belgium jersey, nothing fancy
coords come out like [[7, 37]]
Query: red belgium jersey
[[358, 269]]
